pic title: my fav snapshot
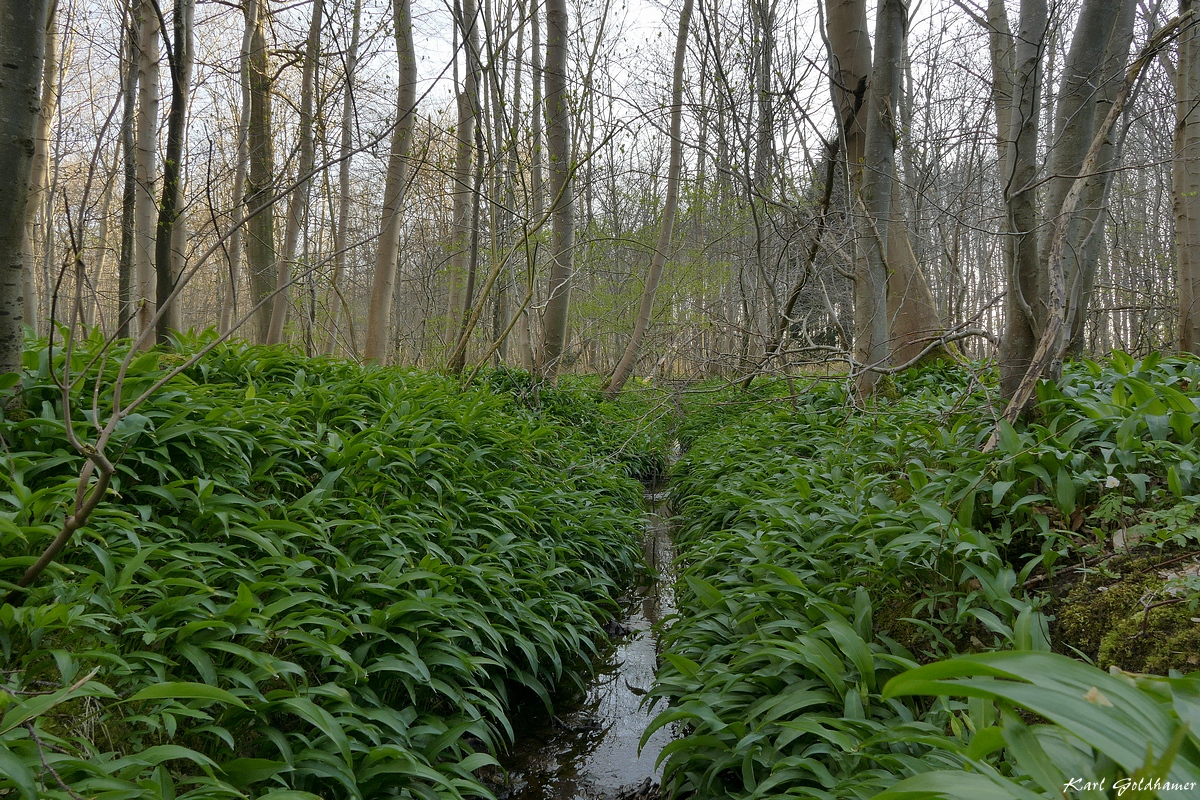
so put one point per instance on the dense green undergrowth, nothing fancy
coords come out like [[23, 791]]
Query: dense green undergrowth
[[827, 550], [308, 580]]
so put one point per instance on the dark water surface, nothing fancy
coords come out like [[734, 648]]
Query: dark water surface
[[589, 750]]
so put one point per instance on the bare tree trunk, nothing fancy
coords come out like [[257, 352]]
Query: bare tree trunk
[[870, 283], [1090, 233], [913, 319], [1019, 340], [166, 262], [625, 365], [562, 191], [229, 304], [146, 207], [383, 288], [125, 269], [764, 11], [1186, 173], [1077, 113], [347, 150], [467, 100], [298, 203], [525, 337], [22, 51], [850, 54], [260, 188], [40, 183]]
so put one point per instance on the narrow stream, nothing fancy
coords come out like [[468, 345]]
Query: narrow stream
[[589, 749]]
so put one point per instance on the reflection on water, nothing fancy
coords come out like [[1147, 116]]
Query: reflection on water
[[590, 750]]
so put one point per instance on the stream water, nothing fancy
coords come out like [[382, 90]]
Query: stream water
[[589, 749]]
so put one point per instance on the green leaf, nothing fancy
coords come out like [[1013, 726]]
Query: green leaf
[[178, 690], [1065, 488], [14, 770]]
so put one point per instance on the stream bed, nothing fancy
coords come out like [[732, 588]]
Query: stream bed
[[589, 749]]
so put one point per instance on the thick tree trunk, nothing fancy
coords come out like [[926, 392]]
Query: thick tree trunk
[[562, 191], [347, 151], [879, 164], [146, 206], [229, 303], [913, 319], [383, 288], [40, 184], [1019, 340], [298, 203], [1090, 233], [260, 187], [646, 308], [1080, 107], [850, 54], [167, 262], [1186, 170], [22, 50]]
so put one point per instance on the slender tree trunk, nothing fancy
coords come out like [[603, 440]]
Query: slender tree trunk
[[166, 266], [467, 100], [646, 308], [125, 269], [92, 297], [22, 51], [347, 149], [260, 187], [1186, 173], [40, 183], [298, 203], [870, 284], [562, 190], [383, 288], [1019, 340], [146, 207], [525, 330], [229, 304]]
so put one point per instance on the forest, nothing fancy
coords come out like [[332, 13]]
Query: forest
[[603, 401]]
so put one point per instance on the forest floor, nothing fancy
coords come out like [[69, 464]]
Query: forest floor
[[311, 580]]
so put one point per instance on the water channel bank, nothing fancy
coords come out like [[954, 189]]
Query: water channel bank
[[589, 749]]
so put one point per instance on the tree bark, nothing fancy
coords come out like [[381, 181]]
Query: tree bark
[[383, 288], [646, 308], [40, 184], [525, 329], [1019, 340], [1186, 179], [229, 303], [467, 100], [871, 276], [125, 268], [850, 54], [562, 190], [298, 202], [1080, 107], [1090, 233], [167, 262], [347, 150], [913, 319], [260, 187], [145, 206], [22, 51]]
